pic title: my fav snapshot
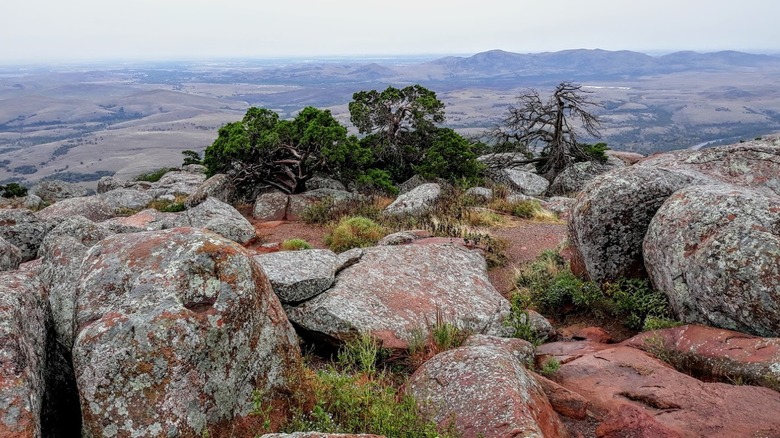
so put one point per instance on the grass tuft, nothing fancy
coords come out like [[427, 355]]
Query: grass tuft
[[354, 232], [295, 245]]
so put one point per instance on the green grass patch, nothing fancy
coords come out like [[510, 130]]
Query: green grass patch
[[295, 245], [154, 175], [354, 232]]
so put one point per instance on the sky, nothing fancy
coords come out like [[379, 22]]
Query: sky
[[90, 30]]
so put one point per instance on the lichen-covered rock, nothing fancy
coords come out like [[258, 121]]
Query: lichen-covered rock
[[121, 200], [503, 160], [403, 237], [220, 218], [718, 353], [715, 252], [609, 221], [93, 208], [195, 168], [560, 205], [33, 202], [300, 202], [24, 230], [484, 391], [416, 200], [108, 183], [521, 349], [177, 183], [52, 191], [410, 184], [319, 182], [628, 158], [178, 331], [574, 177], [218, 186], [480, 193], [61, 253], [23, 325], [10, 256], [520, 181], [145, 220], [299, 275], [395, 291], [270, 206]]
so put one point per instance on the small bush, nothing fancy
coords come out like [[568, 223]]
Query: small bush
[[153, 176], [376, 180], [169, 206], [362, 353], [637, 300], [354, 232], [191, 157], [520, 321], [550, 367], [327, 210], [13, 190], [295, 245]]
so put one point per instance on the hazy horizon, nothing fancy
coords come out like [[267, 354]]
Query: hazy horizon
[[89, 31]]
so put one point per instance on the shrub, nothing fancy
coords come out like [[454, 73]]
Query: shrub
[[354, 232], [13, 190], [520, 321], [638, 301], [153, 176], [550, 367], [295, 245], [169, 206], [191, 157], [376, 180], [327, 210], [361, 353]]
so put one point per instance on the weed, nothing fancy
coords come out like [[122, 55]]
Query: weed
[[169, 206], [656, 323], [441, 335], [636, 299], [519, 321], [354, 232], [362, 353], [295, 245], [550, 367], [155, 175]]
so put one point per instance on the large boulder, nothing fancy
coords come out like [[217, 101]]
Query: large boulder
[[61, 253], [10, 256], [93, 208], [108, 183], [612, 377], [396, 292], [299, 275], [416, 200], [218, 186], [52, 191], [715, 252], [270, 206], [298, 203], [177, 183], [520, 181], [220, 218], [24, 230], [716, 353], [321, 182], [178, 333], [23, 327], [484, 391], [145, 220], [574, 177], [126, 200], [609, 220]]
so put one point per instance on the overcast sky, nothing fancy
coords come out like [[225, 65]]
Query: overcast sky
[[77, 30]]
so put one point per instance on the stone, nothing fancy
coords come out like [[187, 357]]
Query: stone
[[299, 275], [714, 251], [410, 184], [594, 334], [628, 158], [178, 331], [33, 202], [195, 168], [52, 191], [145, 220], [393, 291], [403, 237], [221, 218], [503, 160], [23, 327], [521, 349], [24, 230], [613, 376], [270, 206], [483, 391], [300, 202], [629, 421], [319, 182], [93, 208], [563, 401], [520, 181], [480, 192], [61, 254], [560, 205], [609, 220], [218, 186], [717, 353], [416, 200], [10, 256], [573, 177], [108, 183], [177, 183], [123, 200]]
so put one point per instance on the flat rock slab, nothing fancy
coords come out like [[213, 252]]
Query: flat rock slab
[[299, 275], [396, 292]]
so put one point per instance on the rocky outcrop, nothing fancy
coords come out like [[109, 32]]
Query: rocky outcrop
[[178, 331], [520, 181], [299, 275], [270, 206], [715, 252], [611, 377], [24, 230], [416, 200], [52, 191], [521, 349], [124, 200], [574, 177], [609, 221], [628, 158], [177, 183], [145, 220], [10, 256], [218, 186], [395, 291], [220, 218], [716, 354], [23, 327], [483, 391], [93, 208], [61, 253]]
